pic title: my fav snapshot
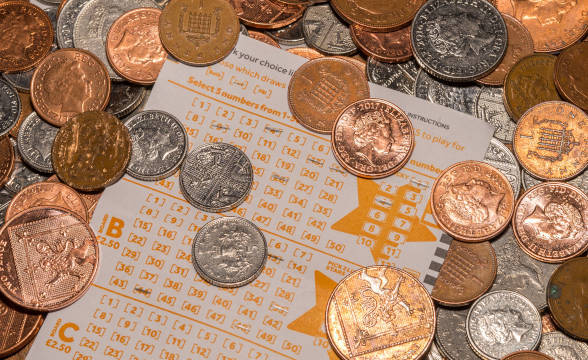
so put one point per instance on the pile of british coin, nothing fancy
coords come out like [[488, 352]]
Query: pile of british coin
[[75, 76]]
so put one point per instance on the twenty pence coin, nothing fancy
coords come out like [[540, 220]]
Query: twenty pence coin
[[18, 328], [571, 68]]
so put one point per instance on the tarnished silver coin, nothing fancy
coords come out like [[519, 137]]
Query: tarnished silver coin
[[458, 41], [66, 21], [562, 347], [499, 156], [434, 353], [159, 145], [580, 181], [35, 140], [490, 108], [502, 322], [10, 107], [124, 98], [519, 272], [229, 252], [216, 177], [5, 198], [451, 336], [325, 32], [94, 21], [290, 35], [22, 175], [399, 76], [455, 96]]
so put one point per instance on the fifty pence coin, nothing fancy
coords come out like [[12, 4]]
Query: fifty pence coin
[[400, 76], [502, 322], [562, 347], [229, 252], [35, 139], [451, 336], [458, 41], [580, 181], [18, 327], [125, 98], [460, 97], [499, 156], [159, 145], [216, 177], [290, 35], [10, 106], [490, 108], [66, 21], [325, 32], [7, 159]]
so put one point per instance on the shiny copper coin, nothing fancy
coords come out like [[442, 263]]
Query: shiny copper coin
[[372, 138], [551, 141], [49, 258], [551, 222], [267, 14], [47, 194], [133, 46], [377, 15], [571, 74], [26, 36], [566, 297], [360, 64], [528, 83], [554, 24], [472, 201], [17, 328], [6, 159], [68, 82], [547, 324], [25, 111], [527, 355], [389, 47], [91, 151], [199, 32], [263, 38], [380, 312], [305, 52], [467, 273], [520, 44]]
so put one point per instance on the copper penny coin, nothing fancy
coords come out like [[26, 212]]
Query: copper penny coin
[[527, 355], [571, 74], [467, 273], [520, 44], [90, 199], [547, 324], [377, 15], [391, 47], [199, 32], [321, 88], [91, 151], [372, 138], [68, 82], [472, 201], [267, 14], [26, 37], [47, 194], [551, 141], [17, 327], [25, 111], [133, 46], [551, 222], [6, 159], [360, 64], [263, 38], [566, 297], [554, 24], [528, 83], [305, 52], [380, 312], [49, 258]]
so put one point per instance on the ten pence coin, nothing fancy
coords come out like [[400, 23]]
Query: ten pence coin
[[6, 159], [266, 14], [527, 355], [472, 201], [377, 15], [17, 328], [390, 47], [49, 259], [380, 312], [571, 69], [68, 82], [372, 138], [199, 32]]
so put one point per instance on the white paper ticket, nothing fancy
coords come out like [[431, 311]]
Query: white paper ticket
[[320, 223]]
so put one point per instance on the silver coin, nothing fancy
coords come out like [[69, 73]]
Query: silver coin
[[519, 272], [35, 140], [66, 21], [159, 145], [562, 347], [400, 76], [93, 22], [324, 31], [216, 177], [10, 107], [490, 108], [124, 98], [451, 336], [434, 353], [22, 175], [502, 322], [580, 181], [229, 252], [20, 80], [5, 198], [290, 35], [458, 41], [499, 156], [460, 97], [52, 2]]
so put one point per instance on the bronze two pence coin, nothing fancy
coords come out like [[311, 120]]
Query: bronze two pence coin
[[18, 327], [390, 47]]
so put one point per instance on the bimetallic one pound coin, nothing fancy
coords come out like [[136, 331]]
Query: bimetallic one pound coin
[[562, 347], [472, 201], [10, 107], [18, 328], [566, 297], [266, 14], [7, 159], [229, 252], [571, 80], [49, 260], [35, 139], [527, 355], [216, 177], [380, 312], [372, 138], [391, 47], [377, 16]]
